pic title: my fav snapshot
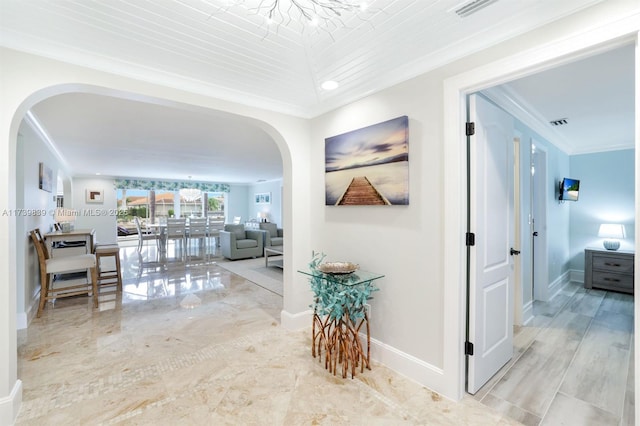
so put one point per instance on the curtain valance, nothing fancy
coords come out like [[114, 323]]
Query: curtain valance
[[165, 185]]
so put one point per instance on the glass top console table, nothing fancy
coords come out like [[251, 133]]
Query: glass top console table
[[339, 315]]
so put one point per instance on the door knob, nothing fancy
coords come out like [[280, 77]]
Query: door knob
[[535, 233], [514, 252]]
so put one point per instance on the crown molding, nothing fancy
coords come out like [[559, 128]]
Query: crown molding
[[507, 99]]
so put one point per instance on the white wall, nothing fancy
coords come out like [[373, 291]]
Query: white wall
[[237, 203], [241, 202], [99, 216], [607, 195], [35, 209], [402, 242], [272, 209]]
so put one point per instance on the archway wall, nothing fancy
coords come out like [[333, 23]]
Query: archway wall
[[27, 79]]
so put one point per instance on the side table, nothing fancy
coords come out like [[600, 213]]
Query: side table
[[339, 314], [609, 269]]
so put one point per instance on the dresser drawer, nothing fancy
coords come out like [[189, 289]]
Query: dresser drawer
[[619, 281], [621, 265]]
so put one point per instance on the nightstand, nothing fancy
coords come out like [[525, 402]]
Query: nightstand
[[608, 269]]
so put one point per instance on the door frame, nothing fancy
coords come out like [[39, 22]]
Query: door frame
[[580, 45], [540, 196], [518, 241]]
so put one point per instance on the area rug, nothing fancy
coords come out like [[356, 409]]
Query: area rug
[[254, 270]]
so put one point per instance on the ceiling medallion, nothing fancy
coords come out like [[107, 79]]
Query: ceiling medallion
[[322, 14]]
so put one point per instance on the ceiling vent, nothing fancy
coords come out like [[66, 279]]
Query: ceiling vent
[[559, 122], [472, 7]]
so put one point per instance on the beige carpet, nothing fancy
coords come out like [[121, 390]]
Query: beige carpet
[[254, 270]]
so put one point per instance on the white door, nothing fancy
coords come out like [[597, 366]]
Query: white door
[[491, 219]]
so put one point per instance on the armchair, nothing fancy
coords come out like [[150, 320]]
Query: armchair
[[238, 243], [273, 236]]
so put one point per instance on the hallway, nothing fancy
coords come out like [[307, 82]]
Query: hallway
[[573, 365], [195, 344]]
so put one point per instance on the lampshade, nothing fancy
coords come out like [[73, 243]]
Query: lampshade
[[65, 215], [611, 232]]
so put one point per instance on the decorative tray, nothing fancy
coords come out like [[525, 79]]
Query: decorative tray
[[338, 268]]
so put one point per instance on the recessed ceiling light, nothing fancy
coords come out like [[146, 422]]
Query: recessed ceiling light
[[330, 85], [98, 173]]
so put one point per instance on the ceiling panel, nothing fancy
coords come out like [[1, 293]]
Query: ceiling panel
[[229, 52], [231, 47]]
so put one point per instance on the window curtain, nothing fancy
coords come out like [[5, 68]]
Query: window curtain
[[165, 185]]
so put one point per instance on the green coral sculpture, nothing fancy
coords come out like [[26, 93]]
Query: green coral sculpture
[[335, 295]]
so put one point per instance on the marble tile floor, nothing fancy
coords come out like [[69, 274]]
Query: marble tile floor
[[195, 344], [573, 365]]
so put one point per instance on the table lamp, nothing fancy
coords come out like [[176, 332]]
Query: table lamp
[[612, 234], [65, 217]]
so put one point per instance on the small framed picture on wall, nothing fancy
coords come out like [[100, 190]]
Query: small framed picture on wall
[[95, 196], [45, 178], [263, 198]]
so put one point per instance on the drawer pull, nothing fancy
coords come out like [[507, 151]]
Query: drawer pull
[[612, 264], [615, 280]]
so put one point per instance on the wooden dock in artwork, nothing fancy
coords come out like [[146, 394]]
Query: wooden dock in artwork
[[361, 192]]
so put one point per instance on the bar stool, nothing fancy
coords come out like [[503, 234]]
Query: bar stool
[[108, 276]]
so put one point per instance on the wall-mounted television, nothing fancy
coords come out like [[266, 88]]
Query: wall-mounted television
[[569, 189]]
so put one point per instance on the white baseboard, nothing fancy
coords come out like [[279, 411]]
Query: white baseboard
[[577, 275], [527, 313], [409, 366], [10, 405], [21, 321], [559, 284], [24, 318], [297, 321], [402, 363]]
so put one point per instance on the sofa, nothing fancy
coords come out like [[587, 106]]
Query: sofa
[[238, 243], [273, 235]]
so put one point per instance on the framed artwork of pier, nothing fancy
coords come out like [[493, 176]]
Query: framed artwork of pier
[[369, 166]]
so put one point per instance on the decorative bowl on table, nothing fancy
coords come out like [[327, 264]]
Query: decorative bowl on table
[[338, 268]]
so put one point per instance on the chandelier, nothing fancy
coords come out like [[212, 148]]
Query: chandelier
[[312, 12], [190, 194]]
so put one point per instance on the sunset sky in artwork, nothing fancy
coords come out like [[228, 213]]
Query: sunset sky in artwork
[[367, 146]]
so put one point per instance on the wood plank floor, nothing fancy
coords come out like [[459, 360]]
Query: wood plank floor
[[573, 365]]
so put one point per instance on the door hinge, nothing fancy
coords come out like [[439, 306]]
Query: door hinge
[[471, 239], [470, 129], [468, 348]]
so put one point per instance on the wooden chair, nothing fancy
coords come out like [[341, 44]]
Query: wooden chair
[[109, 276], [49, 267]]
